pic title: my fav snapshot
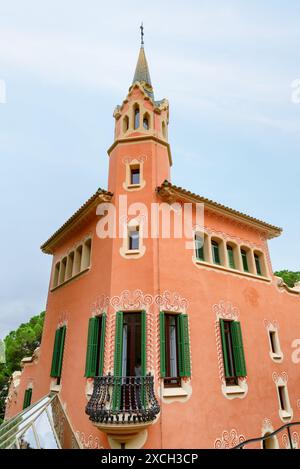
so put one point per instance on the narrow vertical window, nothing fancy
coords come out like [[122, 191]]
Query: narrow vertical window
[[133, 239], [245, 260], [62, 273], [257, 264], [230, 254], [136, 117], [56, 274], [164, 129], [78, 260], [135, 175], [215, 252], [95, 346], [58, 352], [125, 124], [146, 121], [86, 254], [199, 247], [283, 398], [174, 348], [27, 398], [233, 351], [70, 264]]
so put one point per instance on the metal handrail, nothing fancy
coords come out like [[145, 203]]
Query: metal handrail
[[270, 435]]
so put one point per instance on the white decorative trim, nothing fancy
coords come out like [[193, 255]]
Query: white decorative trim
[[229, 439], [282, 380], [168, 301], [90, 442]]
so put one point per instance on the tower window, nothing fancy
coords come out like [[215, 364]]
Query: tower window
[[125, 124], [215, 252], [245, 260], [146, 121], [56, 274], [136, 117], [135, 175], [133, 239], [164, 129]]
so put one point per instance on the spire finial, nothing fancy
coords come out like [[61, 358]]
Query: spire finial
[[142, 34]]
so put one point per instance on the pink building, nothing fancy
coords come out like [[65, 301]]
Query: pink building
[[148, 343]]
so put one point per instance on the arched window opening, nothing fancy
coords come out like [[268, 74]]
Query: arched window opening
[[164, 129], [245, 260], [216, 252], [231, 259], [56, 274], [136, 117], [199, 247], [146, 121], [270, 443], [258, 264], [125, 124]]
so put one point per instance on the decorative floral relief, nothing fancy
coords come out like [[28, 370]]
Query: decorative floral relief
[[271, 324], [280, 377], [100, 306], [62, 319], [225, 310], [90, 442], [135, 300], [267, 426], [229, 439], [140, 159], [286, 441], [168, 301]]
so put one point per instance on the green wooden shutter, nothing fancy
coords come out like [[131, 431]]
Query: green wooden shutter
[[224, 348], [143, 353], [238, 349], [118, 360], [55, 354], [162, 323], [231, 258], [184, 346], [102, 344], [29, 395], [61, 350], [26, 399], [91, 353]]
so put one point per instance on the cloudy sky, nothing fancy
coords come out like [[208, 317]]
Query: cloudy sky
[[227, 69]]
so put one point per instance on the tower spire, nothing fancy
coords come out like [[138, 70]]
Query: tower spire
[[142, 74]]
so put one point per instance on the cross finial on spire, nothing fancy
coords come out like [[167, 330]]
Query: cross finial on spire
[[142, 34]]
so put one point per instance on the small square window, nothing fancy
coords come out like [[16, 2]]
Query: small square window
[[135, 176], [133, 239]]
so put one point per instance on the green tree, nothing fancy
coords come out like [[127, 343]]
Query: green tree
[[19, 344], [289, 277]]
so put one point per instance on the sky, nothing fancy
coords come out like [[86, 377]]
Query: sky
[[227, 69]]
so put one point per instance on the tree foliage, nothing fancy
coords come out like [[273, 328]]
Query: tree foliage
[[19, 344], [290, 278]]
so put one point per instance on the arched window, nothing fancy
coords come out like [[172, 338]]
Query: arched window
[[136, 117], [199, 247], [258, 264], [245, 260], [146, 121], [230, 253], [125, 124], [215, 252]]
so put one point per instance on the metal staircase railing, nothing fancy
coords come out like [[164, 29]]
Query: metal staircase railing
[[287, 427]]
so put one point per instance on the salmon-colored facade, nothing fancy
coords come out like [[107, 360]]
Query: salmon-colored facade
[[213, 401]]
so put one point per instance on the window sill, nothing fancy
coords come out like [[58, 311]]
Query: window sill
[[134, 186], [174, 392], [131, 252], [276, 356], [70, 279], [285, 414], [55, 387], [234, 390], [233, 271]]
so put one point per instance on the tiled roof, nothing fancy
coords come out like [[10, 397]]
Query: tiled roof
[[73, 219], [272, 229]]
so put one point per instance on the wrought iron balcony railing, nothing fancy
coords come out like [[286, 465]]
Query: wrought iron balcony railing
[[117, 400]]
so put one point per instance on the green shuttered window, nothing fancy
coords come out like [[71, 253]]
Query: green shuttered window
[[58, 352], [183, 346], [27, 398], [233, 350], [95, 346], [118, 360], [230, 257]]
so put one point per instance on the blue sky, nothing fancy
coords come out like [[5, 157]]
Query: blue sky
[[226, 68]]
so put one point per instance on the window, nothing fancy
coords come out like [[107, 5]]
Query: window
[[135, 175], [56, 274], [58, 352], [215, 252], [70, 263], [133, 239], [174, 348], [257, 264], [199, 248], [230, 253], [270, 443], [164, 129], [62, 273], [86, 254], [285, 411], [95, 346], [146, 121], [273, 341], [245, 260], [275, 349], [78, 259], [136, 117], [233, 351], [27, 398], [125, 124]]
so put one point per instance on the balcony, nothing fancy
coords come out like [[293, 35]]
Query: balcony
[[123, 407]]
